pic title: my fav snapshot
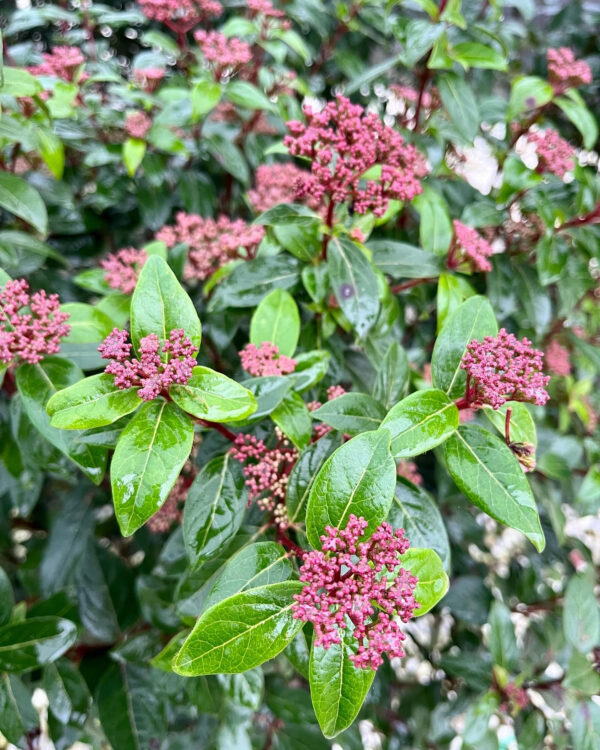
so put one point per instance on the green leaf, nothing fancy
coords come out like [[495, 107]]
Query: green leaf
[[205, 97], [88, 324], [476, 55], [254, 566], [435, 228], [18, 82], [527, 93], [249, 96], [37, 384], [300, 240], [134, 150], [229, 156], [241, 632], [522, 426], [214, 508], [354, 284], [420, 422], [159, 304], [415, 511], [432, 584], [92, 402], [403, 261], [52, 152], [392, 376], [30, 644], [311, 367], [304, 473], [581, 613], [147, 460], [474, 319], [249, 282], [585, 726], [19, 198], [7, 598], [288, 213], [459, 101], [358, 478], [502, 639], [574, 107], [212, 396], [17, 715], [487, 473], [294, 419], [337, 688], [351, 413], [130, 708], [277, 321]]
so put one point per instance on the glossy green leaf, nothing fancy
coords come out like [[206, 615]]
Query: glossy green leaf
[[249, 282], [212, 396], [435, 227], [502, 639], [415, 511], [159, 304], [30, 644], [476, 55], [574, 107], [7, 598], [256, 565], [486, 471], [269, 392], [19, 198], [459, 101], [17, 715], [432, 580], [359, 478], [147, 460], [229, 156], [52, 152], [277, 321], [581, 613], [134, 150], [528, 93], [522, 426], [92, 402], [420, 422], [354, 283], [474, 319], [392, 376], [288, 213], [241, 632], [304, 473], [294, 420], [247, 95], [337, 688], [403, 261], [88, 324], [214, 508], [351, 413], [37, 384], [311, 367], [205, 97]]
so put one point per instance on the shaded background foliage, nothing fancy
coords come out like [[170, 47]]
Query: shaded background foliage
[[513, 618]]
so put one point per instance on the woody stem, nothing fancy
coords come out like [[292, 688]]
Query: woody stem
[[507, 425]]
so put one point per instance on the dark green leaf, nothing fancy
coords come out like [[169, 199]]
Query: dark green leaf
[[30, 644], [7, 598], [19, 198], [288, 213], [403, 261], [351, 413], [249, 282], [294, 420], [459, 101], [392, 376], [502, 639]]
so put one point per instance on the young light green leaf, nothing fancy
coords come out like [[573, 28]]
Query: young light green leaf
[[277, 321], [30, 644], [212, 396], [528, 93], [420, 422], [359, 478], [337, 688], [432, 580], [522, 426], [241, 632], [485, 470], [159, 304], [474, 319], [214, 508], [147, 460], [354, 283], [351, 413], [134, 150], [92, 402]]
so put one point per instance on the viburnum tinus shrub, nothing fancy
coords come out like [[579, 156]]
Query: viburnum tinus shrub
[[299, 336]]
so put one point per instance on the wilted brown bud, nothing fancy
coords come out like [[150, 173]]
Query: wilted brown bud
[[525, 453]]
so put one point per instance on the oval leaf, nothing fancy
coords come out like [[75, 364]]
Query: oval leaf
[[427, 567], [212, 396], [19, 198], [30, 644], [276, 320], [241, 632], [485, 470], [351, 413], [147, 460]]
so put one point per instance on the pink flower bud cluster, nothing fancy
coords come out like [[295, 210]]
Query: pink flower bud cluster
[[267, 470], [225, 54], [410, 471], [501, 369], [555, 155], [274, 184], [180, 15], [265, 360], [469, 247], [148, 78], [61, 62], [123, 268], [343, 143], [138, 124], [30, 335], [359, 586], [565, 72], [558, 358], [149, 373], [265, 8], [211, 243]]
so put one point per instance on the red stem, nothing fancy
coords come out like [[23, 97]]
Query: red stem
[[507, 425], [219, 428], [593, 217], [329, 222], [426, 74], [410, 284]]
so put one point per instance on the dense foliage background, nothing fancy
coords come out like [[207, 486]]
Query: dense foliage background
[[137, 123]]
